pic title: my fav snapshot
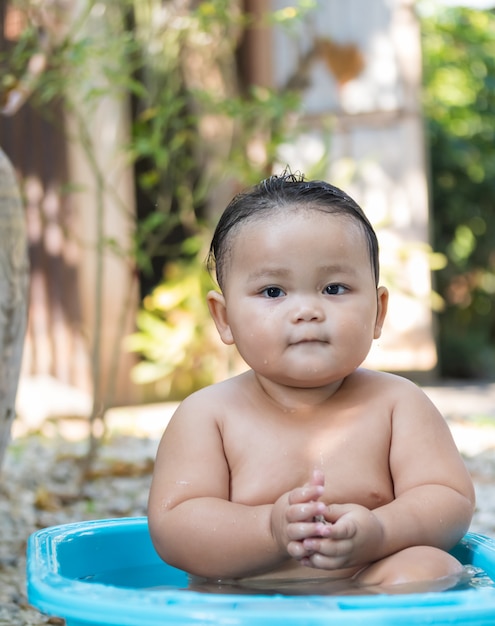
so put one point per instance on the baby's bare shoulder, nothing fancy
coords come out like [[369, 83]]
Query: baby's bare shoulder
[[410, 408], [399, 397], [215, 399], [380, 384]]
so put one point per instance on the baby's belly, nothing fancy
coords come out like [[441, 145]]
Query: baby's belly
[[293, 571], [292, 579]]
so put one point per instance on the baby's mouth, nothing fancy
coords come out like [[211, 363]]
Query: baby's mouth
[[308, 340]]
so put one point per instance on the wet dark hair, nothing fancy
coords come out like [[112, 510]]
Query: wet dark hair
[[285, 190]]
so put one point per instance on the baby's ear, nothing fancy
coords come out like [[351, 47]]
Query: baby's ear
[[218, 311], [382, 302]]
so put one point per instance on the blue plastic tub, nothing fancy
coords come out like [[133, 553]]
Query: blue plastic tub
[[103, 573]]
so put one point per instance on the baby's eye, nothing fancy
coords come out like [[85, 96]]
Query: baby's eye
[[335, 290], [273, 292]]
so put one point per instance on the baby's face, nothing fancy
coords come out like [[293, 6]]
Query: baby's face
[[300, 295]]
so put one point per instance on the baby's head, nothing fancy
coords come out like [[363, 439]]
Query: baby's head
[[281, 194]]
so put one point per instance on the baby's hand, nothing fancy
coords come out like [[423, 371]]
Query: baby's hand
[[353, 538], [297, 516]]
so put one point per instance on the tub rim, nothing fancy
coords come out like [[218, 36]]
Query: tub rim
[[88, 602]]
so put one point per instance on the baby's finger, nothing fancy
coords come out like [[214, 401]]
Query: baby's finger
[[342, 530], [319, 561], [305, 530], [343, 526], [306, 512], [328, 554], [317, 478], [297, 551], [305, 494]]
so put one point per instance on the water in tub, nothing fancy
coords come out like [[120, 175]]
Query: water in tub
[[471, 578]]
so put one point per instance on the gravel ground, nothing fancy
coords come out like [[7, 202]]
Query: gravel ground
[[42, 477], [40, 488]]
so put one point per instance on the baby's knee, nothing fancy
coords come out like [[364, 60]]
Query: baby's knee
[[417, 564]]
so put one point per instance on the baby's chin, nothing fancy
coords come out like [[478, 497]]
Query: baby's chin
[[310, 382]]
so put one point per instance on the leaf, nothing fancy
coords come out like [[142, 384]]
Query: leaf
[[147, 372], [46, 500]]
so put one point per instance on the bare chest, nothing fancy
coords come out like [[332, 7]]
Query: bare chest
[[271, 458]]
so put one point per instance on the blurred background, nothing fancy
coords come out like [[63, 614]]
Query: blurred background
[[131, 123]]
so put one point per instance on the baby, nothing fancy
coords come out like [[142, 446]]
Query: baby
[[306, 466]]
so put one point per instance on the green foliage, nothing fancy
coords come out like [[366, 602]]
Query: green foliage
[[261, 121], [194, 127], [459, 74], [175, 336], [290, 16]]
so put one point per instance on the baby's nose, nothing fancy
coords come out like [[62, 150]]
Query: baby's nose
[[308, 310]]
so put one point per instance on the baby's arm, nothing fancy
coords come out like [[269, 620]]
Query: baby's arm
[[193, 524], [434, 496]]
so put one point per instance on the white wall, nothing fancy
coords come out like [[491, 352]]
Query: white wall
[[366, 135]]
